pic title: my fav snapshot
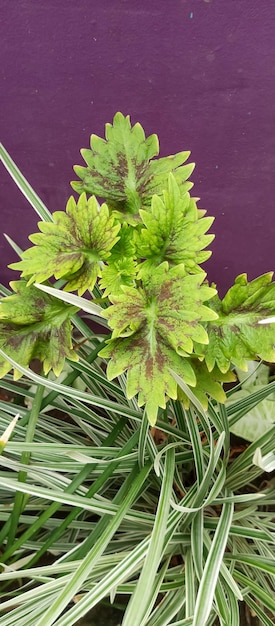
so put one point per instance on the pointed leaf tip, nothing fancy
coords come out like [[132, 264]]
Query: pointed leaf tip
[[120, 168]]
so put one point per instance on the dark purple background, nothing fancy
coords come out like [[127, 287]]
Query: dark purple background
[[199, 73]]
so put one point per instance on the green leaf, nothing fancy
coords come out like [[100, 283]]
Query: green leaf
[[71, 247], [148, 372], [170, 302], [120, 169], [35, 325], [124, 247], [208, 384], [121, 268], [154, 328], [237, 335], [173, 231], [116, 275]]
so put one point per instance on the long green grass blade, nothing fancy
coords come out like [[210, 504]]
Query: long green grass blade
[[137, 608], [20, 498], [167, 609], [265, 620], [262, 596], [260, 562], [210, 575]]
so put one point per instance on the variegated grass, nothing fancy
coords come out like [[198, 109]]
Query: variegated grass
[[180, 530]]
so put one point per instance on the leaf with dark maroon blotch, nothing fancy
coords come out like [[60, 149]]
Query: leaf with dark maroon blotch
[[153, 331], [237, 336], [120, 168], [35, 325], [72, 246]]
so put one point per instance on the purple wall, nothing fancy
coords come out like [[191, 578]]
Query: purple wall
[[199, 73]]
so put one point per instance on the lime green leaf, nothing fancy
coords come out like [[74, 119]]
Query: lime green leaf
[[148, 370], [73, 246], [174, 232], [124, 247], [116, 275], [207, 384], [236, 336], [153, 328], [170, 302], [35, 325], [120, 269], [119, 169]]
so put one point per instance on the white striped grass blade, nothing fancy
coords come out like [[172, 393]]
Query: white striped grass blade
[[7, 433], [24, 186], [188, 392], [266, 463], [267, 320], [81, 303], [13, 245], [206, 592], [136, 611]]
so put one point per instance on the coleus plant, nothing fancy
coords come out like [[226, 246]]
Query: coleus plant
[[138, 254]]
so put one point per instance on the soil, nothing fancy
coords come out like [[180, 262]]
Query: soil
[[109, 616], [102, 616]]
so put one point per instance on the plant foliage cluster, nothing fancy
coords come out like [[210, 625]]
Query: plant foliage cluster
[[144, 250], [97, 500]]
